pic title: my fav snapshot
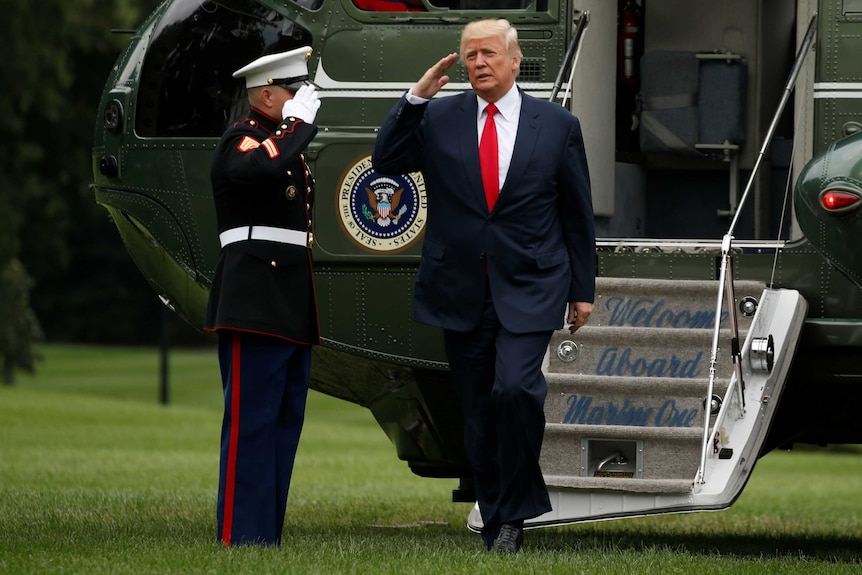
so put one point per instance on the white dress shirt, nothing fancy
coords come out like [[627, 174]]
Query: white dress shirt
[[507, 118]]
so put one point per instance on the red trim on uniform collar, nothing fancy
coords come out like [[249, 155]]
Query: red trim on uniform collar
[[262, 120]]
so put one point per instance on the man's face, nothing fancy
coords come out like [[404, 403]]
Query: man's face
[[491, 70], [279, 95]]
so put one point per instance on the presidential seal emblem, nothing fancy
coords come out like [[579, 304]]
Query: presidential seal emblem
[[382, 213]]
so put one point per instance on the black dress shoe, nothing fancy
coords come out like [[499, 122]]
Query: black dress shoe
[[509, 540]]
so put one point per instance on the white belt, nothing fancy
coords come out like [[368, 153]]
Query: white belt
[[280, 235]]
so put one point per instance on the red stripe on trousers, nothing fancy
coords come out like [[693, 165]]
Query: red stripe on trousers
[[230, 480]]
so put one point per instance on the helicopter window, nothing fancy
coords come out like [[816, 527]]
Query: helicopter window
[[418, 6], [390, 5], [482, 5], [187, 88]]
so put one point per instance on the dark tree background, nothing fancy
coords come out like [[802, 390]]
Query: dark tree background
[[64, 274]]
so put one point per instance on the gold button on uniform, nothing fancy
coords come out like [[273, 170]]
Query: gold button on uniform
[[290, 192], [273, 264]]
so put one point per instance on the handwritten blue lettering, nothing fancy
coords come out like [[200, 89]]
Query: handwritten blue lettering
[[669, 416], [581, 411], [615, 362], [647, 312]]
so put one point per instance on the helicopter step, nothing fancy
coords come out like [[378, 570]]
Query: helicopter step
[[627, 396], [617, 421]]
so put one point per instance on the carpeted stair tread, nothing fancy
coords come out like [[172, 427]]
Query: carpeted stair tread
[[659, 352], [618, 484], [653, 303], [564, 382], [624, 432], [666, 453]]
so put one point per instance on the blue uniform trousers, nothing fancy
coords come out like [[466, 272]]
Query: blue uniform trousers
[[265, 382], [502, 391]]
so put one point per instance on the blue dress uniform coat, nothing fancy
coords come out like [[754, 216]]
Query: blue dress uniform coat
[[498, 282], [260, 179], [262, 305]]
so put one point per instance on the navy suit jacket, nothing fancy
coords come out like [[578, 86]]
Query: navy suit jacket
[[537, 246]]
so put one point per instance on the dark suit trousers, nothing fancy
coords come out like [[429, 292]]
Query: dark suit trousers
[[502, 392]]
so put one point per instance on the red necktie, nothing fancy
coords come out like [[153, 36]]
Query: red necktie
[[488, 160]]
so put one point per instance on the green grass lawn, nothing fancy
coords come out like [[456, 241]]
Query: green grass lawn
[[96, 477]]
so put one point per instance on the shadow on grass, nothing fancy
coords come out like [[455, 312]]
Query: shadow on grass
[[598, 539], [830, 548]]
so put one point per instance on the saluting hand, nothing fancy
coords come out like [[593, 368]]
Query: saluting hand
[[579, 313], [303, 105], [434, 78]]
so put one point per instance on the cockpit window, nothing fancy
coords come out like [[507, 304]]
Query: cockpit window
[[186, 87]]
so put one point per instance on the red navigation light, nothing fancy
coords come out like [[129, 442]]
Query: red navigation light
[[839, 200]]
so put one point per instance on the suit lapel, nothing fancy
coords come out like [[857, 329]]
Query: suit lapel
[[525, 142], [468, 143]]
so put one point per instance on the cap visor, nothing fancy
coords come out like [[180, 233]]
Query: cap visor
[[297, 85]]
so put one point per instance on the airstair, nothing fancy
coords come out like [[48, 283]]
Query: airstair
[[638, 422]]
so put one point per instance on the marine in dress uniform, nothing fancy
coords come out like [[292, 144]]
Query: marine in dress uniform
[[262, 302]]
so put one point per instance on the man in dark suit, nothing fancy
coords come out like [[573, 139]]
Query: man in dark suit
[[262, 302], [508, 244]]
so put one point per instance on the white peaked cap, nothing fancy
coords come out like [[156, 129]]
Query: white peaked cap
[[283, 69]]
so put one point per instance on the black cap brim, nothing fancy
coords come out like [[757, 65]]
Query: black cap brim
[[293, 87]]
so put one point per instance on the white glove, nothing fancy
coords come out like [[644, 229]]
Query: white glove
[[304, 104]]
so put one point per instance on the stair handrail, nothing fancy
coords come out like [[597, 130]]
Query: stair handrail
[[726, 270], [571, 52]]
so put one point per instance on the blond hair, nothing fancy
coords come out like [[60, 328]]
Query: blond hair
[[488, 29]]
